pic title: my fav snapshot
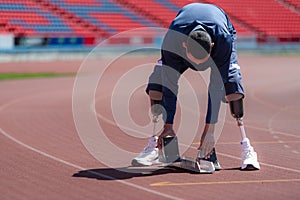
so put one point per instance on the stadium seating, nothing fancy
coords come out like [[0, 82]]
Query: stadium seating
[[295, 3], [111, 17], [104, 18], [151, 9], [180, 3], [268, 18], [165, 10], [23, 17]]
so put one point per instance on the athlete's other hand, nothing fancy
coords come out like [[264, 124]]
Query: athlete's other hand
[[207, 142]]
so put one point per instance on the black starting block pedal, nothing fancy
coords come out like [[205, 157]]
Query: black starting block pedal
[[170, 150], [171, 158]]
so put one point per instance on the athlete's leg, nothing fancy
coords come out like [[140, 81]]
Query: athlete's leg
[[150, 154], [154, 90], [235, 99]]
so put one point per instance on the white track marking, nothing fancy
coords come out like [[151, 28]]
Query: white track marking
[[82, 168], [111, 178], [40, 152], [227, 155], [111, 122], [296, 152], [72, 164], [265, 164], [270, 121], [274, 133]]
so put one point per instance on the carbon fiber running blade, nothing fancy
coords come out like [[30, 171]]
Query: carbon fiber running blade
[[191, 164]]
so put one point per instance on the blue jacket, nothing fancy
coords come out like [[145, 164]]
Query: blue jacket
[[213, 20]]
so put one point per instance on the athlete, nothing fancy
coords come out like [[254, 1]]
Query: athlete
[[200, 37]]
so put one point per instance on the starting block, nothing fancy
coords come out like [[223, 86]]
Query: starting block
[[191, 164], [170, 151], [171, 158]]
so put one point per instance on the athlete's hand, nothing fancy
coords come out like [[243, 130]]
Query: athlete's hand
[[206, 146], [167, 132], [207, 142]]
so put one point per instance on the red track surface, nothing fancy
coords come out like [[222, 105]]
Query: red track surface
[[42, 156]]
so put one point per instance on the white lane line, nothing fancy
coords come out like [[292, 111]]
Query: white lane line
[[223, 154], [71, 164], [271, 131], [111, 178], [261, 163], [265, 164], [84, 169], [270, 121], [295, 151]]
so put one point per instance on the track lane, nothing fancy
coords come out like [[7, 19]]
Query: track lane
[[42, 119]]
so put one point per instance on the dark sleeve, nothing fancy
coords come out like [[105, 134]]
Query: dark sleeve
[[220, 76], [215, 95], [155, 82], [173, 67], [221, 54]]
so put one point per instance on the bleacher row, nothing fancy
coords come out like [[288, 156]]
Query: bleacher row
[[267, 17], [104, 18]]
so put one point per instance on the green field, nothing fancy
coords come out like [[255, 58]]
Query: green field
[[12, 76]]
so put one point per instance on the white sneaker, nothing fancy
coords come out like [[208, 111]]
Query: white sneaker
[[249, 156], [149, 155]]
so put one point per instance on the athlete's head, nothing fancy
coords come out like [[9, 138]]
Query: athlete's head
[[198, 46]]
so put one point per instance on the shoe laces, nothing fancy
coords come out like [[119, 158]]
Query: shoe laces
[[152, 143], [247, 152]]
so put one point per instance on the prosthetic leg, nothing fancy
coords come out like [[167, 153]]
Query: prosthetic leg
[[249, 156]]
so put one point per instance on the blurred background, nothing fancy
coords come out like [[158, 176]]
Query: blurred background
[[33, 26]]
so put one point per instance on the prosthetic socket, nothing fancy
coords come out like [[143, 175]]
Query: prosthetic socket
[[236, 108]]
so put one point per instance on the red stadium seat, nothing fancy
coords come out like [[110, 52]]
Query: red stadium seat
[[153, 10], [266, 18], [295, 3]]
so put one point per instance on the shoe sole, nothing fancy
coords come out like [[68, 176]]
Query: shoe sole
[[215, 163], [249, 167], [135, 163], [217, 167]]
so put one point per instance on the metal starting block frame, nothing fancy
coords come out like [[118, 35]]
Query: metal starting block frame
[[171, 158]]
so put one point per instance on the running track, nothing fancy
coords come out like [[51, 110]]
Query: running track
[[42, 156]]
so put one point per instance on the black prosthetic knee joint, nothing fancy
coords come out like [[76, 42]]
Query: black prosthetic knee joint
[[236, 108]]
